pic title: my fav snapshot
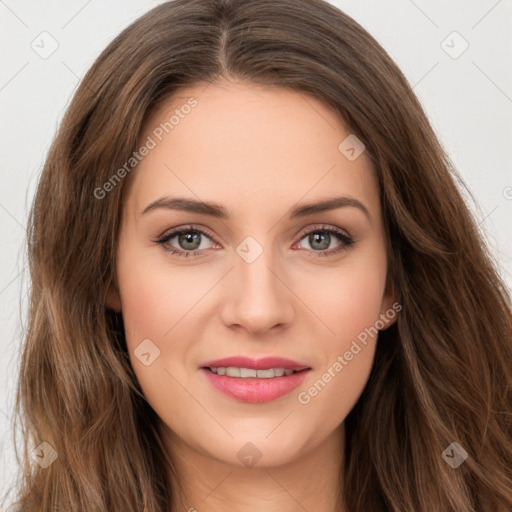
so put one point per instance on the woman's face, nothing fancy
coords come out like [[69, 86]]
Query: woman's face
[[257, 275]]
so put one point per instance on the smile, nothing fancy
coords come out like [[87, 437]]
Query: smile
[[254, 380]]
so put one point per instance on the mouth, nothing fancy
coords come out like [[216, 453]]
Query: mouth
[[255, 381]]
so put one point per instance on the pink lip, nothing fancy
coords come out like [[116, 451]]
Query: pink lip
[[256, 390], [264, 363]]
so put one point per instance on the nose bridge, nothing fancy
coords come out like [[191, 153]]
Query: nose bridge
[[257, 298]]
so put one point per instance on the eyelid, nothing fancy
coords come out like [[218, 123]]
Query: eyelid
[[190, 227], [322, 227]]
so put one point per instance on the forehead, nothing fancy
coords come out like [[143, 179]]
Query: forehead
[[248, 145]]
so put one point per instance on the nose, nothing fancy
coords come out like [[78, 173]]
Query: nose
[[257, 297]]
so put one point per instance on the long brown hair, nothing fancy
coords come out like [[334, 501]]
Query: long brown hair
[[442, 373]]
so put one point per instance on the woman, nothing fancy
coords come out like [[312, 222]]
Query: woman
[[243, 197]]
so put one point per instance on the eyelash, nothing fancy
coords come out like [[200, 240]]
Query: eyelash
[[346, 240]]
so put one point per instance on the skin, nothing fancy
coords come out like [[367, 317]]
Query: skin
[[259, 152]]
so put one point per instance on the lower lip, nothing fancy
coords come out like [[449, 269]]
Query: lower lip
[[253, 389]]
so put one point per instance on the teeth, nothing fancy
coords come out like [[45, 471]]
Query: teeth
[[233, 372], [246, 372], [250, 373], [266, 374]]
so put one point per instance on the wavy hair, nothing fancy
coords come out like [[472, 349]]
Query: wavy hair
[[441, 374]]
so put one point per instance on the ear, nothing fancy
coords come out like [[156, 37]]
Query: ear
[[112, 298], [390, 305]]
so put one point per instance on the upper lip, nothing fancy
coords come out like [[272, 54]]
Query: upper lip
[[265, 363]]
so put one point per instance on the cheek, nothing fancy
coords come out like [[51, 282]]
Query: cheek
[[350, 304], [163, 304], [156, 297], [345, 299], [154, 304]]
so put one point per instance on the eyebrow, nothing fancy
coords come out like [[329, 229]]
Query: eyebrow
[[218, 211]]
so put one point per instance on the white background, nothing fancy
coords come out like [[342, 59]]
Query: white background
[[468, 99]]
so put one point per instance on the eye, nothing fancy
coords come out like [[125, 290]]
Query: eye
[[321, 238], [188, 239]]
